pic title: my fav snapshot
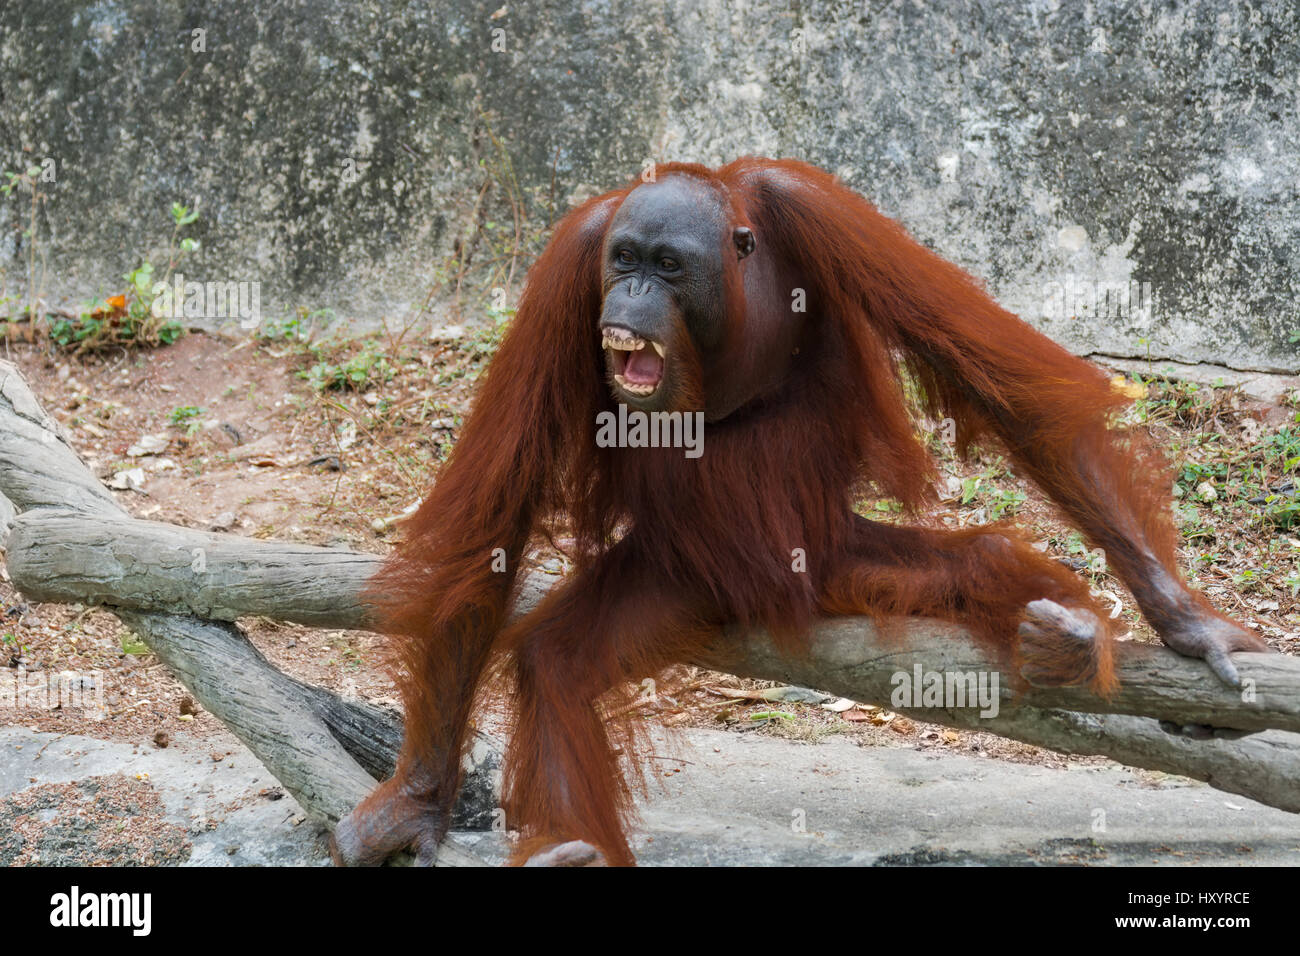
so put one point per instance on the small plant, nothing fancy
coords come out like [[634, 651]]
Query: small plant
[[1086, 560], [132, 319], [1193, 473], [485, 341], [359, 372], [980, 489], [1190, 522], [67, 333], [299, 327], [1252, 579], [1187, 403], [15, 647], [182, 216], [1283, 447], [186, 417], [29, 180], [1282, 511], [1005, 502], [131, 644]]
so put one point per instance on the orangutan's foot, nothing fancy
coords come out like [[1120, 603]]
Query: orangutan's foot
[[389, 820]]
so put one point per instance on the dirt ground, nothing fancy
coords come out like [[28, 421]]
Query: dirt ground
[[236, 435]]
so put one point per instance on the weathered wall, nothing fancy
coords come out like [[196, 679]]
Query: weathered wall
[[1053, 148]]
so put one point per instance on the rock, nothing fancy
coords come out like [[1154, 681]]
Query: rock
[[148, 445], [129, 479], [731, 804], [447, 333], [222, 522]]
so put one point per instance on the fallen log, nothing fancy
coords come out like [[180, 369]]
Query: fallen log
[[60, 556], [70, 558]]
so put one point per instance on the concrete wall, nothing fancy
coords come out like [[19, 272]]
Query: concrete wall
[[1056, 149]]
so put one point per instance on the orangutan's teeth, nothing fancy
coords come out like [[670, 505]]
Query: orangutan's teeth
[[633, 388], [658, 348], [623, 345], [622, 341]]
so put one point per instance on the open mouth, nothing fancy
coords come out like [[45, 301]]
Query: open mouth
[[638, 363]]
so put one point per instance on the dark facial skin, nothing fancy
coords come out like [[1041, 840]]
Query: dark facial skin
[[664, 310]]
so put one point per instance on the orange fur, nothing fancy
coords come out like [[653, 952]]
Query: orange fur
[[670, 548]]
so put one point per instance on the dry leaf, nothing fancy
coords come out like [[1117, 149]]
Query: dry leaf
[[736, 693], [902, 726], [1128, 388], [838, 706]]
